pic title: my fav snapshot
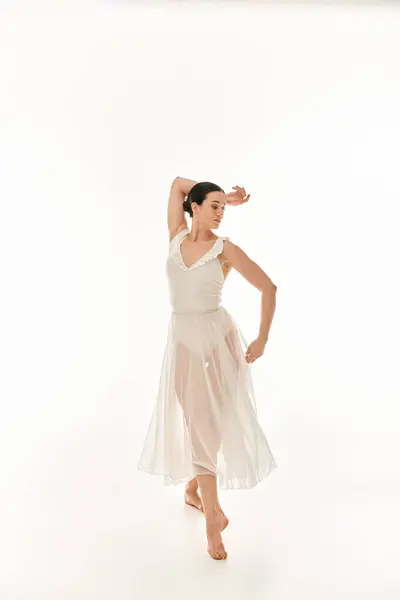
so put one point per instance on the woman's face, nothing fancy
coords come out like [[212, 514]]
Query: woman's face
[[211, 212]]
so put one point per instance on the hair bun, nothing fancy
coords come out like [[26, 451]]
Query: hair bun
[[187, 206]]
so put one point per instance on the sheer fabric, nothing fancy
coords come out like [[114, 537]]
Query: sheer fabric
[[204, 420]]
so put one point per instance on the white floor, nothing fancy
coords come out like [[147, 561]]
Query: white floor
[[284, 542]]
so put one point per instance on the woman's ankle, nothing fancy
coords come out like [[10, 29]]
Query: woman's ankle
[[212, 511], [192, 485]]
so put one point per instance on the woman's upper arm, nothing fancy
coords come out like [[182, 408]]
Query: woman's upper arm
[[250, 270], [176, 215]]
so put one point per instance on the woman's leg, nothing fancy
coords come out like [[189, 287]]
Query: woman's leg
[[216, 521], [191, 494], [198, 398], [182, 368], [199, 394], [192, 485]]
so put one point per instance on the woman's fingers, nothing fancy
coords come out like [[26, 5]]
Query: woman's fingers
[[243, 196], [244, 193]]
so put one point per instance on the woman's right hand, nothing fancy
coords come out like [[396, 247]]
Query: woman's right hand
[[237, 197]]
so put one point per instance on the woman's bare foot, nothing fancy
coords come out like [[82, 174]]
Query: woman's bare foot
[[214, 526], [192, 497]]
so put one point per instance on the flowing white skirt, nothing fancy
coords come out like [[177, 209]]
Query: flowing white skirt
[[205, 419]]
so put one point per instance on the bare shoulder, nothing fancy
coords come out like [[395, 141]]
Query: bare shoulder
[[174, 232], [228, 252]]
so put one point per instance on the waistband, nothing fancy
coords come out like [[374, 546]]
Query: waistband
[[195, 312]]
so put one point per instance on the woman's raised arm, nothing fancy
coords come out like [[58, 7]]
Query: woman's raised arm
[[180, 188]]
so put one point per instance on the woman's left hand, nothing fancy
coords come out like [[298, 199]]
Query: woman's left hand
[[255, 350], [237, 197]]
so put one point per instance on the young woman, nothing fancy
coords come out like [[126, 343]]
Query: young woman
[[204, 424]]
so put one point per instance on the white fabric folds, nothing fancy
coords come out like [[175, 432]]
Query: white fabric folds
[[204, 420]]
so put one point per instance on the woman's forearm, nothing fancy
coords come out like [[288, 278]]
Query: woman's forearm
[[185, 185], [268, 303]]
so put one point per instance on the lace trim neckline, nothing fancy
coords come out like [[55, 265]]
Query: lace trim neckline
[[211, 253]]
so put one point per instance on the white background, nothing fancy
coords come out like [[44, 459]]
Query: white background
[[100, 108]]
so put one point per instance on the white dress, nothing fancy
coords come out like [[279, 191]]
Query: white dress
[[205, 419]]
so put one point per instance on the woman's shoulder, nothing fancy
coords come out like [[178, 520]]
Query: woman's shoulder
[[177, 233]]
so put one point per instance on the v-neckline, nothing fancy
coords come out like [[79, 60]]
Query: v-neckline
[[200, 258]]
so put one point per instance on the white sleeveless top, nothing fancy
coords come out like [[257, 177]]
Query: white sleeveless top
[[196, 288]]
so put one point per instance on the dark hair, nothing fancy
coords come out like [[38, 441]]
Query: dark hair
[[198, 194]]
